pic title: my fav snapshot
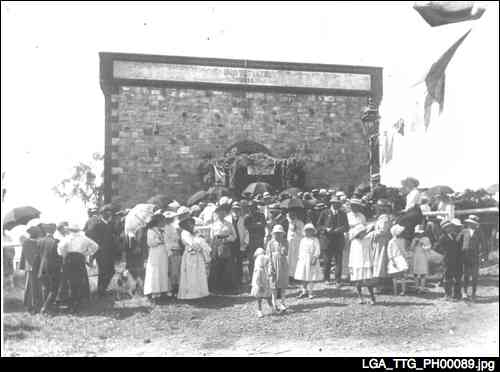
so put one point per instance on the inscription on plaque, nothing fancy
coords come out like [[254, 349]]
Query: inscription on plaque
[[240, 76]]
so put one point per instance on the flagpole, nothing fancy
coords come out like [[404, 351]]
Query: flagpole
[[370, 119]]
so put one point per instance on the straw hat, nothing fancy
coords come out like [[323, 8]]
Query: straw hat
[[419, 229], [309, 226], [456, 222], [396, 230], [473, 219], [278, 229], [35, 222], [169, 215], [356, 202], [323, 192]]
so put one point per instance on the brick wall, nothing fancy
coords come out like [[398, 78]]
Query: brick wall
[[159, 136]]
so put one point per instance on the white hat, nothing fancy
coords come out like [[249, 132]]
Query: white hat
[[278, 229], [174, 205], [419, 229], [340, 193], [169, 214], [33, 223], [396, 230], [456, 222], [183, 210], [473, 219], [225, 200], [309, 226], [355, 202], [259, 251], [323, 192], [356, 230]]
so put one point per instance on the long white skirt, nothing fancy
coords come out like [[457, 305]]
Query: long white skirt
[[156, 278], [293, 254], [193, 281]]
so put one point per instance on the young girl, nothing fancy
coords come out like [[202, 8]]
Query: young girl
[[156, 281], [308, 269], [360, 261], [420, 247], [261, 288], [397, 264], [277, 250], [295, 235]]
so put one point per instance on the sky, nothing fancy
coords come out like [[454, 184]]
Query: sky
[[52, 105]]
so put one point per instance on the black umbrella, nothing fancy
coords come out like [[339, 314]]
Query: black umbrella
[[197, 197], [257, 188], [310, 203], [19, 216], [292, 203], [292, 191], [218, 191], [437, 190]]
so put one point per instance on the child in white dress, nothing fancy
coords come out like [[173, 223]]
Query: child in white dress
[[308, 269], [261, 288], [397, 264], [420, 247]]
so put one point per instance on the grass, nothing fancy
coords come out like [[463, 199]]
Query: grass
[[227, 324]]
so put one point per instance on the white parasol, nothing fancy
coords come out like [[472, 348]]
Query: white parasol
[[138, 217]]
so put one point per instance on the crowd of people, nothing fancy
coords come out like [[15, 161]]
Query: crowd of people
[[269, 241]]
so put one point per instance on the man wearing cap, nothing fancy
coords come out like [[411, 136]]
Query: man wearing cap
[[333, 223], [100, 230], [449, 247], [471, 243], [255, 223], [241, 242]]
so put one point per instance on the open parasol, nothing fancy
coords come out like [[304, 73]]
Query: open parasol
[[257, 188], [292, 203], [20, 216], [197, 197], [292, 191], [493, 189], [437, 190], [138, 217]]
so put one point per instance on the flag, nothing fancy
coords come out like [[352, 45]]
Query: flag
[[435, 81], [438, 13], [389, 146], [399, 127]]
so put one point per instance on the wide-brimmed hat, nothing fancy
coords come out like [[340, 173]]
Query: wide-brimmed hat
[[106, 208], [323, 192], [259, 251], [396, 230], [174, 206], [266, 195], [473, 219], [319, 206], [340, 193], [456, 222], [356, 230], [314, 191], [445, 223], [309, 226], [356, 201], [335, 200], [410, 181], [236, 205], [278, 229], [35, 222], [169, 214], [419, 229]]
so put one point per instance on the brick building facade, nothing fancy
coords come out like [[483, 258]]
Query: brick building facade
[[165, 115]]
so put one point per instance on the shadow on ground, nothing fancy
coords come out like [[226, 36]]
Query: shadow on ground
[[18, 331]]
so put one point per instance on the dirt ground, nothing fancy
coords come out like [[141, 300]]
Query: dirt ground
[[332, 324]]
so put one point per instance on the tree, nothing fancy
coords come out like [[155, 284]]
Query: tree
[[84, 184]]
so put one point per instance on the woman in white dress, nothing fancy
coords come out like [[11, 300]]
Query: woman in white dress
[[308, 269], [193, 280], [174, 250], [294, 236], [360, 261], [156, 281]]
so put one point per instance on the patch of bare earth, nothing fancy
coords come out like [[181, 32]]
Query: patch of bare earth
[[332, 324]]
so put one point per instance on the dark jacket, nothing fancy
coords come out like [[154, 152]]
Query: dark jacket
[[471, 254], [327, 220], [50, 262], [452, 251], [102, 234]]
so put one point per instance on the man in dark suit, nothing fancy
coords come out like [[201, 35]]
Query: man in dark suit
[[472, 242], [50, 267], [100, 230], [333, 223], [450, 248], [255, 223]]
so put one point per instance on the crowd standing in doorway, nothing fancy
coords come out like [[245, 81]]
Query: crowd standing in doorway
[[218, 245]]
